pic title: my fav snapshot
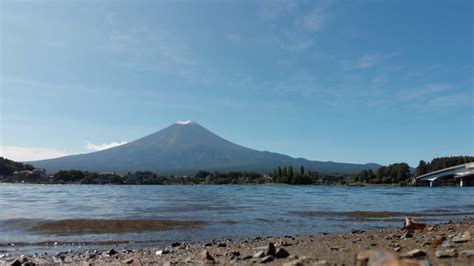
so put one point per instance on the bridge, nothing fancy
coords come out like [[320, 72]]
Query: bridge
[[463, 172]]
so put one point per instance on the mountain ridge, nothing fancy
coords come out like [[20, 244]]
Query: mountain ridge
[[184, 148]]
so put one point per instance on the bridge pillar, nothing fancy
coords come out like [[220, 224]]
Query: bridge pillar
[[432, 184]]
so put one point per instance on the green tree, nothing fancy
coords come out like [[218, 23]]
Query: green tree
[[302, 170], [290, 172]]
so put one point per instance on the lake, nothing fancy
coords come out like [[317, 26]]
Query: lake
[[84, 216]]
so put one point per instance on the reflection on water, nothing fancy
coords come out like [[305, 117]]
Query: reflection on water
[[74, 213]]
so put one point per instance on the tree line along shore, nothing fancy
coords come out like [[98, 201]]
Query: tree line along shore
[[394, 174]]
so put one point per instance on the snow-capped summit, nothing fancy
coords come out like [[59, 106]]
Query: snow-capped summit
[[184, 122]]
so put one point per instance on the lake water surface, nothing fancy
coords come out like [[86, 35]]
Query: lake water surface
[[33, 216]]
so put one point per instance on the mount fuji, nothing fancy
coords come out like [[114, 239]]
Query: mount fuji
[[184, 148]]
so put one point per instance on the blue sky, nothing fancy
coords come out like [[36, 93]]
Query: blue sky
[[348, 81]]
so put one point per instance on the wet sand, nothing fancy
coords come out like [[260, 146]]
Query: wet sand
[[439, 244], [84, 226]]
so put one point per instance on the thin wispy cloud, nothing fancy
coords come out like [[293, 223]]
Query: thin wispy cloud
[[456, 99], [233, 37], [362, 62], [104, 146], [367, 61], [315, 19], [273, 9], [423, 92], [142, 48]]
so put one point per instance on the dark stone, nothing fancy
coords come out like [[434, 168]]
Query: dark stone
[[111, 252], [222, 244], [16, 263], [208, 244], [176, 244], [407, 234], [281, 253], [270, 249]]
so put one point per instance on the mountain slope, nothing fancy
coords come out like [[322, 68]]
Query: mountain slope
[[184, 148]]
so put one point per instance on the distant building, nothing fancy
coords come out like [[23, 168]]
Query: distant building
[[22, 174], [105, 175], [35, 173], [328, 179], [39, 172]]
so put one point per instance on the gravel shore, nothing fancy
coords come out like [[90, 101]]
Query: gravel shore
[[440, 244]]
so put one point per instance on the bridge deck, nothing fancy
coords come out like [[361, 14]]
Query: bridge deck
[[468, 167]]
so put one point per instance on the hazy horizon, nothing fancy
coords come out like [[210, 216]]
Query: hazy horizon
[[355, 82]]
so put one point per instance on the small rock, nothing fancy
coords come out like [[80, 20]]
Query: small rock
[[235, 253], [206, 256], [208, 244], [259, 254], [175, 244], [467, 253], [412, 225], [321, 262], [372, 257], [445, 253], [127, 261], [448, 244], [222, 245], [281, 253], [159, 252], [462, 238], [415, 253], [266, 259], [246, 257], [270, 249], [357, 232], [396, 249], [438, 240]]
